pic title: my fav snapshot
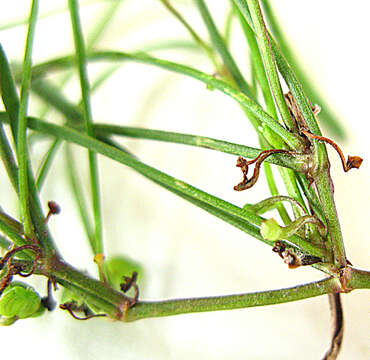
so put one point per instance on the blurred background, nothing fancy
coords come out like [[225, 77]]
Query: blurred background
[[186, 252]]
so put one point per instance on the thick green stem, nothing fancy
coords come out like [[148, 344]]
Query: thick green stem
[[108, 299], [324, 188], [144, 310], [114, 303]]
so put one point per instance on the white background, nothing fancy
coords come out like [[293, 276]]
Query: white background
[[186, 252]]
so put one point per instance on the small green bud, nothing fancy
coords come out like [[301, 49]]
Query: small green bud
[[19, 300], [5, 321], [271, 230], [210, 87]]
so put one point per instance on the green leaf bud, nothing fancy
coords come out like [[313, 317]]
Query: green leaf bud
[[271, 230], [19, 300]]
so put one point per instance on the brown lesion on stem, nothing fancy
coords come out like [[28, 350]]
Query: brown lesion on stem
[[291, 258], [244, 164], [350, 163]]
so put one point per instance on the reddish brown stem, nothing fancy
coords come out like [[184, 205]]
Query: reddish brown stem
[[337, 327], [54, 209], [130, 281], [12, 252], [67, 307], [350, 163]]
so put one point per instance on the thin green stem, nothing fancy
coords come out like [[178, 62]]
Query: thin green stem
[[101, 24], [9, 93], [219, 44], [260, 74], [326, 115], [8, 159], [12, 229], [22, 152], [257, 63], [321, 174], [158, 176], [291, 139], [85, 90], [198, 40], [79, 198], [275, 192], [296, 162], [272, 203], [46, 164], [11, 103], [228, 26], [294, 226], [269, 61]]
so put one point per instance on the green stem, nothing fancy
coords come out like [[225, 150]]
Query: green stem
[[275, 192], [209, 51], [158, 176], [321, 174], [85, 90], [269, 61], [22, 152], [326, 116], [219, 43], [294, 226], [358, 279], [79, 198], [324, 188], [292, 140], [296, 162], [45, 166], [8, 159], [144, 310], [272, 203], [322, 178], [113, 302], [11, 230]]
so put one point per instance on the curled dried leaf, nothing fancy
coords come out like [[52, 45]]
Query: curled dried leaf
[[244, 164]]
